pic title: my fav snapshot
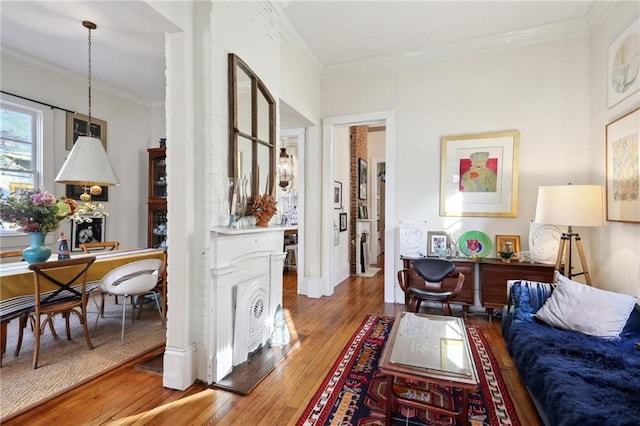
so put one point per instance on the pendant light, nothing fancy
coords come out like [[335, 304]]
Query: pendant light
[[285, 169], [87, 164]]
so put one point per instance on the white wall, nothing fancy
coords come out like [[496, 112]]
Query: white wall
[[129, 130], [342, 173], [540, 90], [616, 264]]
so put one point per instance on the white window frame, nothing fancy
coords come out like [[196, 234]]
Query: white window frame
[[44, 136]]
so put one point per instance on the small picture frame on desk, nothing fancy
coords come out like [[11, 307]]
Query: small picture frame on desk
[[504, 241], [437, 241]]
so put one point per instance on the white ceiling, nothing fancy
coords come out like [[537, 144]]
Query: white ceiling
[[128, 45]]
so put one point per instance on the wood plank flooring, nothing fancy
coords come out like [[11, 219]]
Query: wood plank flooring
[[280, 398]]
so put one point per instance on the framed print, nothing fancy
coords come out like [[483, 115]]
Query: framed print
[[77, 126], [623, 65], [508, 243], [337, 194], [343, 222], [362, 179], [437, 241], [623, 168], [75, 191], [87, 232], [479, 175]]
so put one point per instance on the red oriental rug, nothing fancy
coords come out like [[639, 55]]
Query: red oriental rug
[[353, 393]]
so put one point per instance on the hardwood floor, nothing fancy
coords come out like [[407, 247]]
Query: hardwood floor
[[280, 398]]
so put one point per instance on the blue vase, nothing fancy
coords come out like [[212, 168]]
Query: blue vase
[[37, 251]]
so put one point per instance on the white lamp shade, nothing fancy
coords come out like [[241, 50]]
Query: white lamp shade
[[571, 205], [87, 165]]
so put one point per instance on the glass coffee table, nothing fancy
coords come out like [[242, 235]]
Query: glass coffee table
[[428, 349]]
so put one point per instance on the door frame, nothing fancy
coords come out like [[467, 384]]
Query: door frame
[[388, 119]]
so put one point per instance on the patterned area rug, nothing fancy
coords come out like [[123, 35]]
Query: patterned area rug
[[65, 364], [354, 391]]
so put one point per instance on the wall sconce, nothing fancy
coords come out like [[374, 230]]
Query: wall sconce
[[285, 170], [87, 164]]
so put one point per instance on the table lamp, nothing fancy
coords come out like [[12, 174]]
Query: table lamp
[[571, 205]]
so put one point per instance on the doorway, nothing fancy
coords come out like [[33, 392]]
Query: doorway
[[388, 120]]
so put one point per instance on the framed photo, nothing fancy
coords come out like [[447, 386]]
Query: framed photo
[[623, 65], [504, 241], [87, 232], [622, 168], [337, 194], [362, 211], [362, 179], [479, 175], [436, 241], [75, 191], [77, 126], [343, 222]]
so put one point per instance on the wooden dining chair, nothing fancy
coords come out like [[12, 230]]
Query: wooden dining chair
[[100, 245], [13, 255], [70, 297]]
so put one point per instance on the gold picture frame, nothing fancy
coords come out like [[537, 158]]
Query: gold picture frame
[[77, 126], [501, 241], [622, 176], [479, 174]]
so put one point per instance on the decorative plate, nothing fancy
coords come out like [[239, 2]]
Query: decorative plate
[[467, 241], [544, 241]]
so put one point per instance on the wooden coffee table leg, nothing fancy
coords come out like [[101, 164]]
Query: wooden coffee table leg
[[464, 410], [390, 398]]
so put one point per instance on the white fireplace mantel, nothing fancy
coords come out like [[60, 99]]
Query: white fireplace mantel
[[240, 259]]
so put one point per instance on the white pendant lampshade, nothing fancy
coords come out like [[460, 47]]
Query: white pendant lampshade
[[87, 165]]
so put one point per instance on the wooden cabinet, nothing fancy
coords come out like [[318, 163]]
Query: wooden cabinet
[[495, 273], [157, 198]]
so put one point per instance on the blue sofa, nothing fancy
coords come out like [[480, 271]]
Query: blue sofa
[[573, 378]]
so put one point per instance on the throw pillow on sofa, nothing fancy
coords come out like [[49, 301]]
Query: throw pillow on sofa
[[632, 327], [589, 310]]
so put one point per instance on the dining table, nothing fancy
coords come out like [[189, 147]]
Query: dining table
[[17, 283]]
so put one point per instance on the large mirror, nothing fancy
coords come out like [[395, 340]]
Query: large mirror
[[252, 129]]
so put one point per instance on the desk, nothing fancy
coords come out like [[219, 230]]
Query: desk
[[492, 279], [17, 286]]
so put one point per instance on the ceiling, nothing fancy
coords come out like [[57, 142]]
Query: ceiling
[[128, 45]]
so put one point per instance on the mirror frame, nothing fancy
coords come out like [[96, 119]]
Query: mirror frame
[[257, 88]]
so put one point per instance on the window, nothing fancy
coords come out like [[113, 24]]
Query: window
[[20, 141]]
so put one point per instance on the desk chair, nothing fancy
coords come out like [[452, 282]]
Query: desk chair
[[67, 299], [132, 279], [424, 282]]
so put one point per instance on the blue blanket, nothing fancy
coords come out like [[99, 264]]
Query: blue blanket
[[576, 379]]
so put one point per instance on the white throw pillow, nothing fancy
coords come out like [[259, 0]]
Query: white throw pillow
[[589, 310]]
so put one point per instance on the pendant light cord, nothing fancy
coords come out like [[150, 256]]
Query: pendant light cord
[[90, 26]]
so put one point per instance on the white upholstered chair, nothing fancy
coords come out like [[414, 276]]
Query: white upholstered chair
[[133, 279]]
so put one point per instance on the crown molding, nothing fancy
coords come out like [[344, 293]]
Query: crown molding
[[290, 33], [469, 47]]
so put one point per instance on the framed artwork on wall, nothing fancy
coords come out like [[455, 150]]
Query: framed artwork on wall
[[623, 65], [87, 232], [77, 126], [623, 168], [362, 179], [343, 222], [479, 174], [337, 194]]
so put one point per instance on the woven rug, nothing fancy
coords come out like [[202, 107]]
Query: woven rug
[[354, 391], [65, 364]]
